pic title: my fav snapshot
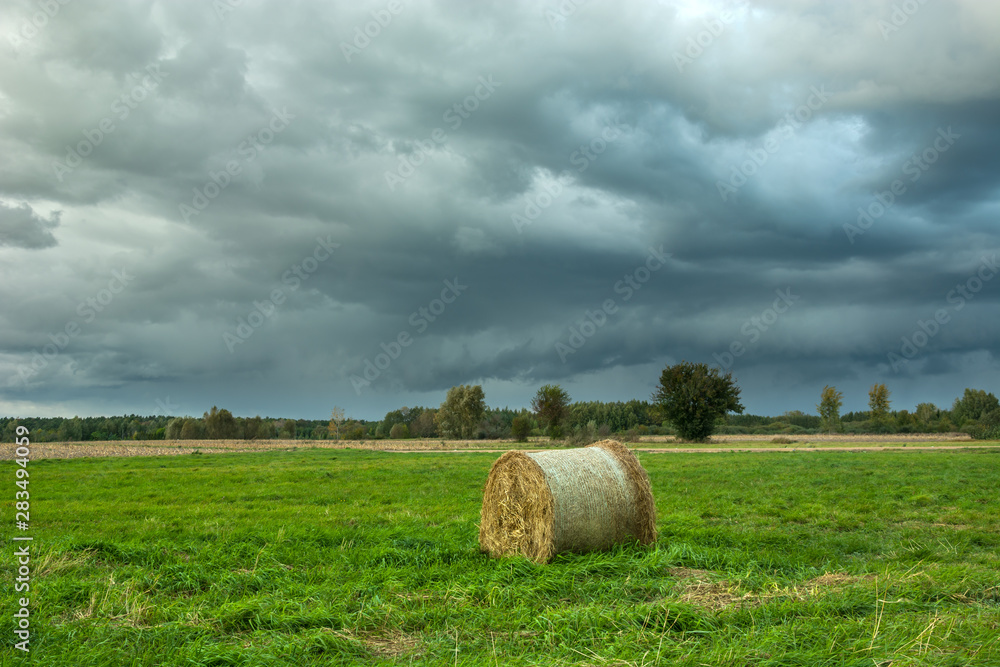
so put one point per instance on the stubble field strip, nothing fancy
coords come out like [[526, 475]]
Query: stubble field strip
[[347, 557], [66, 450]]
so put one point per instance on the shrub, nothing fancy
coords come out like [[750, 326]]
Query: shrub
[[399, 432], [494, 427], [584, 435], [986, 427], [520, 428]]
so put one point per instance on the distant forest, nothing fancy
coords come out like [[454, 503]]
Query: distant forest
[[586, 420]]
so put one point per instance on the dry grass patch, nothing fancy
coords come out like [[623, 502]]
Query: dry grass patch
[[383, 643], [717, 595], [836, 580], [705, 589], [417, 597], [53, 562], [121, 604], [689, 573]]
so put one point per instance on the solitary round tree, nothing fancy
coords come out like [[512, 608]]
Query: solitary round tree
[[693, 396], [551, 404]]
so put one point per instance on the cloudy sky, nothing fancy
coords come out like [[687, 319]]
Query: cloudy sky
[[278, 207]]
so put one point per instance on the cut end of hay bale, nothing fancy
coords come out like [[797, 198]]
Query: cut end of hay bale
[[574, 500], [517, 509]]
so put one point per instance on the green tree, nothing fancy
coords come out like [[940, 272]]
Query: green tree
[[336, 420], [354, 431], [520, 428], [463, 408], [71, 430], [174, 426], [878, 404], [192, 429], [253, 428], [403, 415], [288, 429], [926, 413], [551, 405], [219, 424], [399, 432], [423, 426], [693, 397], [830, 402], [972, 405]]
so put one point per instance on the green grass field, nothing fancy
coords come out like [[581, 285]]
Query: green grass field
[[326, 557]]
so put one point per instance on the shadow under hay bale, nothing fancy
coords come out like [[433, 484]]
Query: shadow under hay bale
[[575, 500]]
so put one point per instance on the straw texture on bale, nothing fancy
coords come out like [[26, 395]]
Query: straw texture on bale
[[576, 500]]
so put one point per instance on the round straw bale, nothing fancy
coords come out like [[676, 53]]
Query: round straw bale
[[576, 500]]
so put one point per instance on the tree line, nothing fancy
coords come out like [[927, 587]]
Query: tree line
[[692, 401], [215, 424]]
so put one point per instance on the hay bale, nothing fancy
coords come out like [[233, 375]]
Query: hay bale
[[575, 500]]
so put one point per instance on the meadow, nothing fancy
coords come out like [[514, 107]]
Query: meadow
[[348, 557]]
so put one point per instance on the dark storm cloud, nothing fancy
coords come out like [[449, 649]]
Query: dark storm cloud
[[304, 179], [21, 227]]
